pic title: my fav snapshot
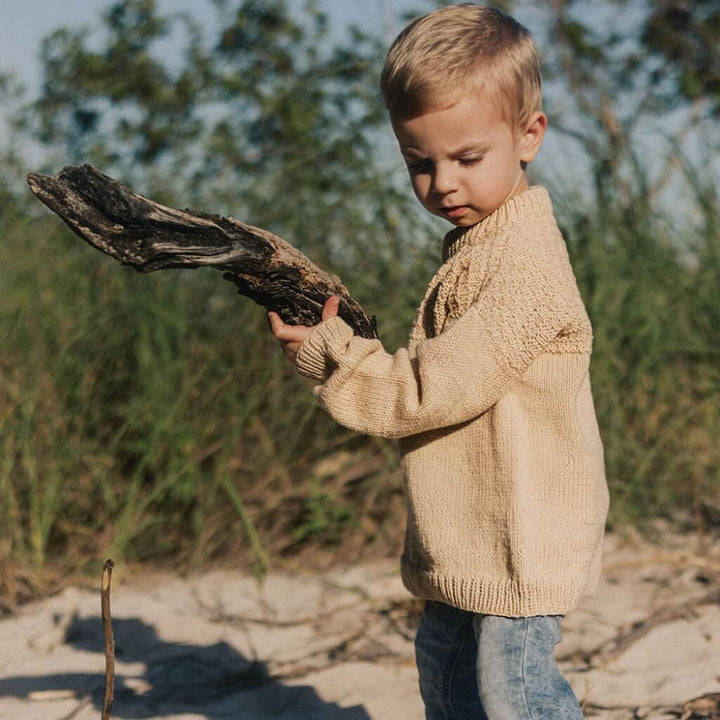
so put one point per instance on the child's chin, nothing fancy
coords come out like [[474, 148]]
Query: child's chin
[[466, 221]]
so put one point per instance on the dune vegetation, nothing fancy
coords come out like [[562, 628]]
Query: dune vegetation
[[153, 418]]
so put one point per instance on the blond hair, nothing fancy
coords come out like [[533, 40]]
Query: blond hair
[[458, 50]]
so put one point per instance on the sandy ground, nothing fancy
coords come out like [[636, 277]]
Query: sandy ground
[[339, 645]]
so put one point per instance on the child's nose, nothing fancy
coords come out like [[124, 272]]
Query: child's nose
[[444, 180]]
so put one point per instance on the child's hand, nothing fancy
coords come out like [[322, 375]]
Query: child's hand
[[291, 336]]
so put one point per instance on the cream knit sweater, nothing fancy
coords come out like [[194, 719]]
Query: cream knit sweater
[[491, 402]]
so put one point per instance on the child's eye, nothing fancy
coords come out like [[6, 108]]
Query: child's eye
[[419, 166], [470, 160]]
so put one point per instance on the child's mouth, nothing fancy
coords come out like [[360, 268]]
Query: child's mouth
[[453, 211]]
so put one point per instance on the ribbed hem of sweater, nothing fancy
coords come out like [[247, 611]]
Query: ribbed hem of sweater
[[534, 201], [312, 358], [502, 597]]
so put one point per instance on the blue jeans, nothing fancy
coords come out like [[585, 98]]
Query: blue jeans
[[486, 667]]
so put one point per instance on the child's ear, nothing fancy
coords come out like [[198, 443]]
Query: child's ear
[[532, 138]]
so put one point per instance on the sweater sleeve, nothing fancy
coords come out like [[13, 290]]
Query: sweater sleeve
[[455, 376]]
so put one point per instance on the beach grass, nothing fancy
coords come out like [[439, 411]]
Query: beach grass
[[154, 419]]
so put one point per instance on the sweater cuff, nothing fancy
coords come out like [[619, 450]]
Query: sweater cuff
[[312, 359]]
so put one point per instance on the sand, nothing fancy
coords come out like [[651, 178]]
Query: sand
[[338, 645]]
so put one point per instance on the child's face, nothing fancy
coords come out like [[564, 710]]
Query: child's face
[[464, 159]]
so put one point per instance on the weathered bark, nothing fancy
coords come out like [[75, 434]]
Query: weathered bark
[[148, 236]]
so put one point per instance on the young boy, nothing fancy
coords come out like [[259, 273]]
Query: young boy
[[491, 400]]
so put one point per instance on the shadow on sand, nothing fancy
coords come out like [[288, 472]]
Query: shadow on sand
[[213, 681]]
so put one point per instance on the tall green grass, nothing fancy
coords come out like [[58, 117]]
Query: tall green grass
[[154, 418], [651, 283]]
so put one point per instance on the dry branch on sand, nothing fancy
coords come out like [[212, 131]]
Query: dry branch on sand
[[149, 236], [109, 691]]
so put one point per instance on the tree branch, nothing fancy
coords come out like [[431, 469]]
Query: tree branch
[[148, 236]]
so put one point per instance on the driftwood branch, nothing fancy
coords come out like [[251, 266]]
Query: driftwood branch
[[148, 236]]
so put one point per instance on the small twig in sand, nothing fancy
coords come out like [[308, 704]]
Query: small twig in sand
[[218, 616], [666, 558], [109, 640], [633, 711], [707, 706], [76, 711], [625, 638], [45, 695]]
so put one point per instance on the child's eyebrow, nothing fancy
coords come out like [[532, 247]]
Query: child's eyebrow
[[474, 147], [477, 147]]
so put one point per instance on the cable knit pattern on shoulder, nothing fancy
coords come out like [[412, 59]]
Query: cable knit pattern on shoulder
[[491, 402]]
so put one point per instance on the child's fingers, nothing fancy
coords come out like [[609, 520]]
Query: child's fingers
[[273, 319], [330, 309], [278, 327]]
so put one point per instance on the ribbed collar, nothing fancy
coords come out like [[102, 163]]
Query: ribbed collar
[[533, 202]]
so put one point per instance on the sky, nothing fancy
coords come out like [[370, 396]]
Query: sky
[[25, 22]]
